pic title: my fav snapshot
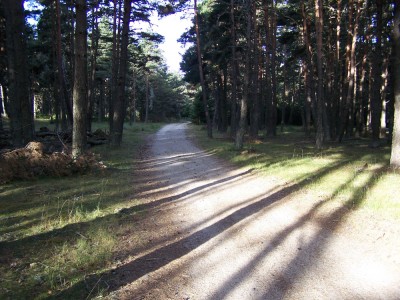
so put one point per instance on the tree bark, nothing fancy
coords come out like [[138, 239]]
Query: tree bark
[[246, 84], [146, 116], [347, 116], [319, 139], [255, 111], [1, 108], [234, 72], [119, 104], [308, 67], [63, 93], [79, 134], [362, 86], [223, 100], [201, 72], [376, 69], [93, 62], [114, 62], [395, 154], [272, 111], [21, 114], [100, 103], [132, 117], [337, 85]]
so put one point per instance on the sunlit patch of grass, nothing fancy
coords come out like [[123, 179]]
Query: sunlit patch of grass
[[61, 266], [385, 195], [89, 252], [56, 231], [361, 179]]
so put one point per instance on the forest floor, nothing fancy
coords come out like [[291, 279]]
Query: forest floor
[[168, 220], [214, 231]]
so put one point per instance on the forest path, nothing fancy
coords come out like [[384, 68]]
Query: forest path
[[218, 232]]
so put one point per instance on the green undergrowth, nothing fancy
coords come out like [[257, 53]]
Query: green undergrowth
[[56, 231], [348, 173]]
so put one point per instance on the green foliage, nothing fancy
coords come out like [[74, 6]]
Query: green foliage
[[144, 58], [198, 116], [190, 66]]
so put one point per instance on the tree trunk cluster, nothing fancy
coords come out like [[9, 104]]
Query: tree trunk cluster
[[327, 63]]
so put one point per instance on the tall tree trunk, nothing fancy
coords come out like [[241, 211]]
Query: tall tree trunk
[[246, 84], [79, 134], [272, 112], [220, 99], [93, 63], [217, 100], [337, 85], [71, 17], [1, 108], [100, 103], [21, 115], [285, 93], [201, 72], [119, 104], [362, 86], [320, 89], [395, 155], [376, 101], [255, 113], [146, 117], [234, 71], [347, 116], [384, 87], [114, 61], [65, 96], [132, 117], [268, 81], [223, 103], [308, 68]]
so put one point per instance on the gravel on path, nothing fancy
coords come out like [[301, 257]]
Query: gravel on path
[[219, 232]]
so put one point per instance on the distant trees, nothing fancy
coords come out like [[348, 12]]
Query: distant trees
[[119, 108], [395, 156], [323, 64], [319, 139], [201, 72], [80, 60], [18, 92], [241, 129]]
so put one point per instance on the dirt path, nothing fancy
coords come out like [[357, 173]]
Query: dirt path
[[216, 232]]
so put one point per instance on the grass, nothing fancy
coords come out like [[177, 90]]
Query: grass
[[361, 179], [56, 231]]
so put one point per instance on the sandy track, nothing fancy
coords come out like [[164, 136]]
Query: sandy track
[[217, 232]]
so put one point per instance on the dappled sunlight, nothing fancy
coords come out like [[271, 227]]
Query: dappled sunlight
[[216, 230], [232, 222], [80, 201], [197, 221], [154, 162]]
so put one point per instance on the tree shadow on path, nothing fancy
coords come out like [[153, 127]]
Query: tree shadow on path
[[308, 253], [125, 274]]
